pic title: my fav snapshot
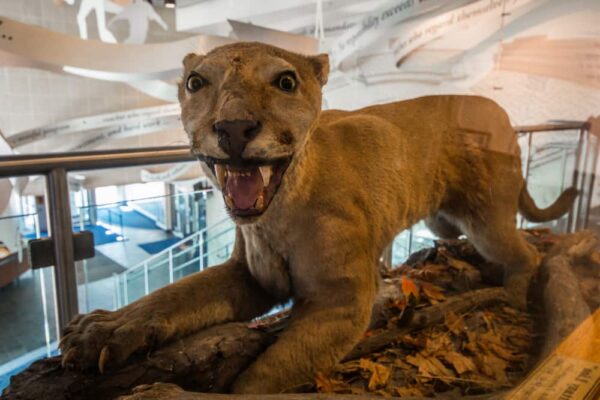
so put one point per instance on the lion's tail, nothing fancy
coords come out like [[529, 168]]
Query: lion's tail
[[532, 213]]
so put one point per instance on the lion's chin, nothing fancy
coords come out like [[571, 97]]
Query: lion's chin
[[249, 186]]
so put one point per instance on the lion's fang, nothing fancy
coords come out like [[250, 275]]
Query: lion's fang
[[266, 171], [260, 202], [221, 172], [229, 201]]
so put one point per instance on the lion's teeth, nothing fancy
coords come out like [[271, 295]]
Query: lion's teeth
[[221, 173], [260, 202], [266, 171], [229, 201]]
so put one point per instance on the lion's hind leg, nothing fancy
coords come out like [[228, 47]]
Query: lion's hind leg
[[441, 227], [496, 238]]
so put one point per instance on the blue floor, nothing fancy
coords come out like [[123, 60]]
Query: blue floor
[[157, 247], [131, 218], [101, 234]]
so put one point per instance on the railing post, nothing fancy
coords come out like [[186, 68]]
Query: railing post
[[59, 215], [201, 249], [171, 266], [117, 293], [146, 284], [522, 222], [125, 291]]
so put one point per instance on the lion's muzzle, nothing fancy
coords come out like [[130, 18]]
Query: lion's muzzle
[[234, 135]]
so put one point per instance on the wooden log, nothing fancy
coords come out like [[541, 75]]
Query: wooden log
[[564, 306], [207, 362]]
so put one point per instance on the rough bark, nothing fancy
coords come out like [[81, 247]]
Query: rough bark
[[207, 362], [565, 307]]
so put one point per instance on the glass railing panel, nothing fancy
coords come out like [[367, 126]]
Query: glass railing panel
[[549, 166], [218, 242], [133, 223], [555, 161], [410, 241], [186, 257], [27, 308], [159, 272]]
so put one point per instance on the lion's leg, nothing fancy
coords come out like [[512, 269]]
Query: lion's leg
[[321, 332], [496, 238], [335, 295], [227, 292], [441, 227]]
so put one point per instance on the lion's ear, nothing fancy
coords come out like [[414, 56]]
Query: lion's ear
[[191, 60], [320, 65]]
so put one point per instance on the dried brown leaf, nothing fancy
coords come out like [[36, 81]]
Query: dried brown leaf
[[432, 291], [495, 367], [430, 366], [460, 362], [380, 374], [410, 288], [323, 383], [454, 323]]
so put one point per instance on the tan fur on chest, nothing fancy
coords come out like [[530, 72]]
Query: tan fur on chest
[[266, 266]]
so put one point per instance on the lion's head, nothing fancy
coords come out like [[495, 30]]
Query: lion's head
[[247, 109]]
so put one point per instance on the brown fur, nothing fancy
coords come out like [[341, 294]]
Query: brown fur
[[356, 179]]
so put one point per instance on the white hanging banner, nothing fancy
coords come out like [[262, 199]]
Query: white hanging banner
[[155, 118], [127, 130], [418, 34], [289, 41], [36, 47], [375, 24], [166, 176]]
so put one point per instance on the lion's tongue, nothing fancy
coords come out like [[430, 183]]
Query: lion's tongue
[[244, 189]]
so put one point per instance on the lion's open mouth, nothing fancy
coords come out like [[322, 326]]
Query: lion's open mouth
[[249, 187]]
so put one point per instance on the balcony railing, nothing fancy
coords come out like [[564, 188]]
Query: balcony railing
[[192, 254], [55, 167]]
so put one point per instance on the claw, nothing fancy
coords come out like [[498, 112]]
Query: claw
[[103, 359], [68, 357], [63, 340], [141, 388]]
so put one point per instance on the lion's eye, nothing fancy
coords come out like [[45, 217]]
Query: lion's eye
[[286, 82], [194, 83]]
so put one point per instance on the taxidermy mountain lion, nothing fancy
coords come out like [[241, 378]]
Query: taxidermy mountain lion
[[316, 197]]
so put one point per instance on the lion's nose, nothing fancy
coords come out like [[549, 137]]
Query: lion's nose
[[233, 136]]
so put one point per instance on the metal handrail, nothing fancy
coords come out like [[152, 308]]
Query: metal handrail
[[173, 246], [55, 167], [144, 267], [36, 164], [559, 126], [122, 297]]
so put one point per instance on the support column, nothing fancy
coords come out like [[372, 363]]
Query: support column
[[59, 216]]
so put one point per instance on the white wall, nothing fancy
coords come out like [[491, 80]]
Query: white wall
[[9, 228]]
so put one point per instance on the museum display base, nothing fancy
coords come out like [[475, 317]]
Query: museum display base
[[444, 327]]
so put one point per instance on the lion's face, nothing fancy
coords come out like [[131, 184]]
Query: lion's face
[[247, 108]]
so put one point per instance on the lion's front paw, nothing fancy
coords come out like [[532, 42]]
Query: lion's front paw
[[155, 391], [107, 339]]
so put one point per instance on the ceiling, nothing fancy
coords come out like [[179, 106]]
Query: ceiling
[[527, 58]]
